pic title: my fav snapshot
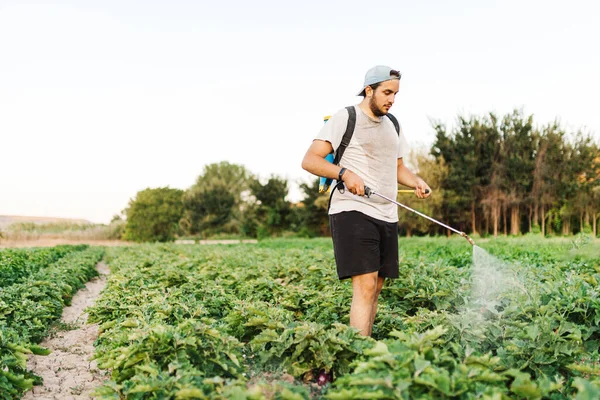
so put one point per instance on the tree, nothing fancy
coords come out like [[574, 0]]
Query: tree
[[498, 168], [433, 172], [213, 204], [208, 211], [548, 189], [519, 146], [468, 151], [460, 180], [313, 219], [153, 215], [271, 209], [490, 169], [596, 203]]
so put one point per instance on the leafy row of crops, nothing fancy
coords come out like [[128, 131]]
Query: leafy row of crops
[[18, 264], [29, 304], [235, 322]]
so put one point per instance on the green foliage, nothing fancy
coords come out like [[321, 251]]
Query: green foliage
[[271, 212], [217, 321], [190, 344], [229, 305], [310, 218], [301, 348], [116, 229], [502, 176], [154, 214], [16, 265], [27, 308], [434, 172], [213, 204], [208, 210], [30, 305], [469, 152]]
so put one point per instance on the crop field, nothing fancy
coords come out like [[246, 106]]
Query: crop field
[[35, 285], [270, 321]]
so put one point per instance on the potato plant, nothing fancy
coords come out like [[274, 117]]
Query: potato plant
[[31, 301], [266, 321]]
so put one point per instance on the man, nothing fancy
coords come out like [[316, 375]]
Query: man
[[365, 230]]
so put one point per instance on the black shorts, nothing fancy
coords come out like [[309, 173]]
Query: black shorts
[[362, 244]]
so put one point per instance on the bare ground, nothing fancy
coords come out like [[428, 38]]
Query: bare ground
[[68, 372]]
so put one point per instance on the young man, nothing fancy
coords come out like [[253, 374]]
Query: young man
[[365, 230]]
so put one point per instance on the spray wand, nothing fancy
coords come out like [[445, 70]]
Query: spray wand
[[369, 192]]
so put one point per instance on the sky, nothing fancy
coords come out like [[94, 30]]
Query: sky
[[102, 99]]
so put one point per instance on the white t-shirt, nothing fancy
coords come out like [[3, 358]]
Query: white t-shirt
[[373, 155]]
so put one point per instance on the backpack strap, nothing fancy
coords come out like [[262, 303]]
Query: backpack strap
[[342, 148], [395, 122], [347, 135]]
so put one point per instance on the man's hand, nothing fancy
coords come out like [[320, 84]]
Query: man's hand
[[421, 188], [354, 183], [408, 178]]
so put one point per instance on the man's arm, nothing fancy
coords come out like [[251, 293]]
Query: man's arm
[[407, 178], [315, 163]]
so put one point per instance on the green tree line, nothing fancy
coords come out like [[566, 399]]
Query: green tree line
[[505, 175], [490, 175]]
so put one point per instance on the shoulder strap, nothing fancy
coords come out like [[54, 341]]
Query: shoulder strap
[[395, 122], [342, 148], [347, 135]]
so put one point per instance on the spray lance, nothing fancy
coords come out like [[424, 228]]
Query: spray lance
[[369, 192]]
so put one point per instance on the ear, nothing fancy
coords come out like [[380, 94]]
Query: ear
[[369, 91]]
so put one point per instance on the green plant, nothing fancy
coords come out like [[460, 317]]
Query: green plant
[[276, 308]]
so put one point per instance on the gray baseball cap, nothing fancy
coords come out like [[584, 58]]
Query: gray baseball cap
[[379, 73]]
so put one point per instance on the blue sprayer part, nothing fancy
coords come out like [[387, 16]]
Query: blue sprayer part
[[325, 183]]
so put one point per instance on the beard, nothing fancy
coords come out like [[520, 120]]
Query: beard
[[378, 112]]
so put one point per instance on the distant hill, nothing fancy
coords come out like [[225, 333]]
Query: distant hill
[[6, 220]]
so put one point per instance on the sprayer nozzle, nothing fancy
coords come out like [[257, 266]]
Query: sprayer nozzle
[[468, 238]]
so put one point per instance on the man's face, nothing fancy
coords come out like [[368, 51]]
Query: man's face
[[383, 97]]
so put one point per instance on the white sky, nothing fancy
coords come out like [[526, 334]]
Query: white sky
[[101, 99]]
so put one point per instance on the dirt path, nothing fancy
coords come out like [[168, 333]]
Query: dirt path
[[68, 372]]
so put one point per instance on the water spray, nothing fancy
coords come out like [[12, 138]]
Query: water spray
[[369, 192]]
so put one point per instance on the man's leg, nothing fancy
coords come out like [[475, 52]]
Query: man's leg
[[380, 281], [364, 296]]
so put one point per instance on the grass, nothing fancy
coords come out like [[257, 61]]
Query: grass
[[60, 326]]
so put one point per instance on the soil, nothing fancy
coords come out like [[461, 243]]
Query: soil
[[68, 372]]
